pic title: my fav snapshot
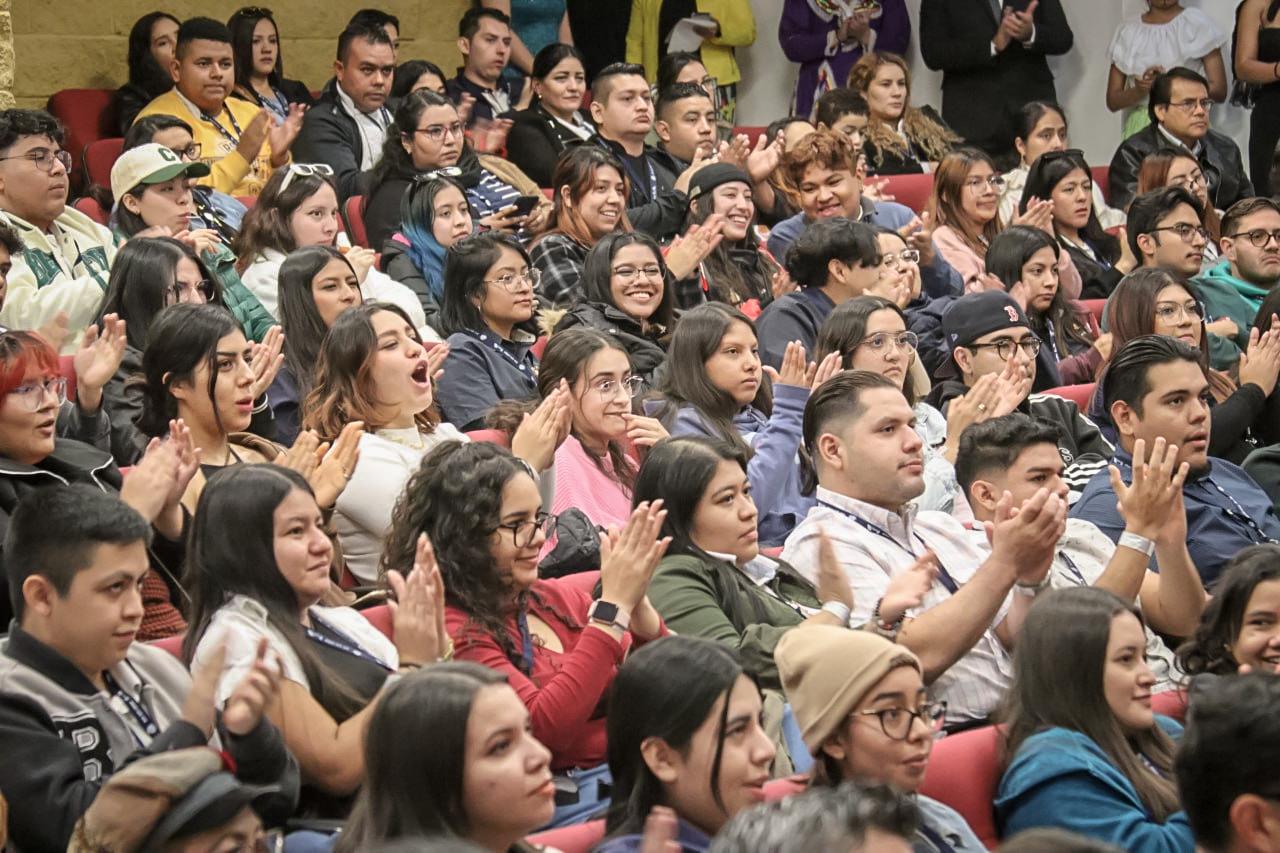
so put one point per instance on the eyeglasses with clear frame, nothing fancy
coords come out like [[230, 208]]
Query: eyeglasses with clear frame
[[44, 158], [512, 282], [898, 340], [607, 389], [30, 395]]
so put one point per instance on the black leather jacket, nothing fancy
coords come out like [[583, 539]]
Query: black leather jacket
[[1219, 160]]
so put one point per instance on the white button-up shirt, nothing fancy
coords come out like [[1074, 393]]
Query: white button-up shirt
[[974, 686]]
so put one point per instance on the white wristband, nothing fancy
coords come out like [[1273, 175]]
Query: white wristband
[[1137, 543], [838, 610]]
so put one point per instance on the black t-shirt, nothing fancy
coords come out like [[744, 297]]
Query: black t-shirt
[[360, 674], [673, 12]]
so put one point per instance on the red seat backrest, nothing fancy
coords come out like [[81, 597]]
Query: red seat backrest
[[172, 645], [1102, 179], [493, 436], [1095, 307], [99, 156], [539, 347], [380, 618], [247, 200], [67, 370], [579, 838], [1079, 394], [353, 212], [585, 581], [87, 116], [90, 208], [1171, 703], [911, 190], [964, 772], [752, 133]]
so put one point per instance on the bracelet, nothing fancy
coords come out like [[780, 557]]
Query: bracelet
[[882, 625], [1033, 589], [838, 610]]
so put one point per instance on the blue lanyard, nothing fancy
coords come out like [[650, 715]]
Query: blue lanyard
[[235, 140], [1073, 568], [635, 179], [342, 644], [935, 841], [527, 370], [944, 577], [134, 707], [526, 641], [1238, 514]]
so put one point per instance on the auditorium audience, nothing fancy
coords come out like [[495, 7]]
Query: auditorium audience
[[900, 139], [434, 215], [554, 122], [152, 41], [259, 63], [1087, 753]]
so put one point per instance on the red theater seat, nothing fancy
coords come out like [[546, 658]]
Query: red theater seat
[[1095, 307], [87, 116], [380, 618], [1078, 394], [172, 645], [752, 133], [99, 156], [912, 190], [353, 212], [90, 208], [494, 436], [1102, 178], [964, 772]]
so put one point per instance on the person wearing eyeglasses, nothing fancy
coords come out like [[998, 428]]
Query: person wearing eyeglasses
[[1172, 168], [865, 715], [67, 256], [241, 142], [558, 646], [1179, 110], [1086, 753], [988, 333], [1235, 287]]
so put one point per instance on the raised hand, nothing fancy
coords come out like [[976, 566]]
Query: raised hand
[[465, 103], [417, 610], [542, 431], [644, 432], [153, 479], [699, 162], [781, 284], [795, 370], [1103, 344], [268, 358], [1260, 362], [254, 135], [979, 403], [1014, 385], [765, 157], [199, 708], [833, 584], [1153, 501], [260, 687], [1039, 214], [919, 235], [876, 188], [283, 133], [628, 557], [692, 248], [98, 359], [361, 260], [660, 829], [188, 460], [335, 465], [436, 357]]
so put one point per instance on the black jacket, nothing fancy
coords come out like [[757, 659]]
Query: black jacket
[[382, 210], [889, 162], [329, 135], [1219, 160], [128, 102], [536, 141], [982, 94], [648, 358], [659, 215], [397, 264]]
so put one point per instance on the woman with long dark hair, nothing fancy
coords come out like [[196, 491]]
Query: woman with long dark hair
[[426, 137], [317, 284], [258, 568], [554, 122], [434, 215], [415, 74], [1241, 624], [625, 295], [684, 733], [591, 189], [1085, 753], [433, 771], [1029, 260], [152, 42], [1096, 258], [255, 43], [557, 647]]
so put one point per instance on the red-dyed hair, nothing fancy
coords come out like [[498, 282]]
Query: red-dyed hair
[[18, 352]]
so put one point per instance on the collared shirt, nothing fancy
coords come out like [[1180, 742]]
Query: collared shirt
[[761, 569], [372, 127], [1216, 529], [974, 685], [480, 372], [1195, 152], [490, 103]]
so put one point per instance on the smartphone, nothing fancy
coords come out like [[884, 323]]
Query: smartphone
[[526, 203]]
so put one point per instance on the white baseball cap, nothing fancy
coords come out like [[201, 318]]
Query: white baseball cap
[[152, 163]]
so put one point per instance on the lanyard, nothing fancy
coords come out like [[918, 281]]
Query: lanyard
[[1073, 568], [1238, 514], [527, 370], [526, 641], [235, 140], [1053, 340], [342, 644], [935, 841], [140, 714], [944, 577]]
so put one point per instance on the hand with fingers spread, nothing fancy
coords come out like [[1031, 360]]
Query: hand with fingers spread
[[152, 480], [628, 557], [254, 135], [795, 371], [644, 432], [906, 590], [541, 432], [417, 609], [1013, 386], [257, 691], [876, 189], [734, 151], [919, 235], [283, 133], [1039, 214], [833, 583], [97, 360], [436, 357], [268, 358], [700, 162], [978, 404], [765, 158], [335, 465], [693, 247], [1153, 501], [1260, 362], [660, 830], [361, 260], [781, 283]]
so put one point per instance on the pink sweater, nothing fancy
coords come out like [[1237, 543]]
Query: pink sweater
[[966, 261], [580, 484]]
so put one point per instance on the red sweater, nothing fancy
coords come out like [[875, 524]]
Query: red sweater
[[565, 695]]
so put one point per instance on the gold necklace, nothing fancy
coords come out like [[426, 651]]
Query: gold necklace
[[421, 445]]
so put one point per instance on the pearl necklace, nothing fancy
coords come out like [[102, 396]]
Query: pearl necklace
[[395, 439]]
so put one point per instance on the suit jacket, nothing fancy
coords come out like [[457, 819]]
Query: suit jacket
[[982, 93], [536, 141], [1219, 160], [329, 135]]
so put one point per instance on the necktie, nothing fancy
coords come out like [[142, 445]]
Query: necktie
[[997, 9]]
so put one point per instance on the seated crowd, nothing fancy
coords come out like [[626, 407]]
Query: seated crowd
[[612, 480]]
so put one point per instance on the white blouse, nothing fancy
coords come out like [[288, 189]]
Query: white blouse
[[1183, 41]]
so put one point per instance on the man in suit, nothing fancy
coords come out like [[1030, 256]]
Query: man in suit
[[992, 56]]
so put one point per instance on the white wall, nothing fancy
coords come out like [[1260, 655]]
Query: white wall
[[1081, 75]]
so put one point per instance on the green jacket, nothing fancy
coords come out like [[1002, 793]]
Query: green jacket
[[716, 600], [1225, 295], [248, 310]]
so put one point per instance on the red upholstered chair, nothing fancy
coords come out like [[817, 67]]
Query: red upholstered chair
[[1078, 394], [353, 213], [172, 645], [1096, 307], [585, 581], [964, 772], [539, 347], [779, 789], [247, 200], [579, 838], [911, 190], [753, 133], [494, 436], [1102, 178], [87, 116], [90, 208], [1171, 703], [67, 370], [99, 156], [380, 618]]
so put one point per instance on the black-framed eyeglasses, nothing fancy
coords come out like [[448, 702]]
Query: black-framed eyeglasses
[[523, 533], [44, 158], [1185, 231], [1259, 237], [186, 291], [1004, 347], [896, 722], [191, 152]]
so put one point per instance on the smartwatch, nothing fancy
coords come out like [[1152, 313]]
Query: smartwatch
[[609, 613]]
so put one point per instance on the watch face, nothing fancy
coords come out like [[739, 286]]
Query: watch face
[[605, 611]]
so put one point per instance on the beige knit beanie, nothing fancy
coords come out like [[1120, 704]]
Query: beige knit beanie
[[826, 671]]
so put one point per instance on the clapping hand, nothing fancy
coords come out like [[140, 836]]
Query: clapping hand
[[1260, 362], [283, 133], [833, 584], [417, 609], [906, 590], [256, 692], [541, 432], [1151, 505], [691, 248], [267, 359], [795, 371], [97, 360], [628, 557]]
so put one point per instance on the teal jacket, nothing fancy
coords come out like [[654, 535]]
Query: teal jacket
[[1062, 778], [1225, 295], [253, 318]]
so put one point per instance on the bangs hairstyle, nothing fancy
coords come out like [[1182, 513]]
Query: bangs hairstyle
[[1045, 174], [415, 758], [1131, 308], [567, 356], [20, 352], [144, 72], [342, 389], [822, 148], [846, 328], [948, 188], [933, 139], [220, 564], [576, 174], [1153, 173], [409, 72], [696, 338], [300, 320], [665, 689], [839, 398], [597, 273], [1011, 250], [417, 219], [466, 267], [266, 225], [1209, 650], [1080, 619], [242, 24], [143, 272], [181, 338], [837, 103]]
